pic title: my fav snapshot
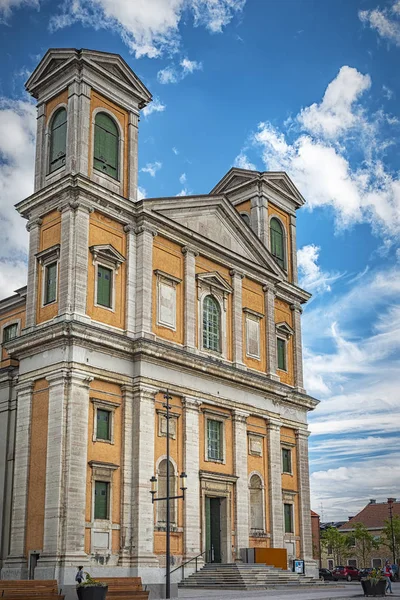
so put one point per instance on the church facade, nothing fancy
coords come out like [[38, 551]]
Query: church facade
[[127, 298]]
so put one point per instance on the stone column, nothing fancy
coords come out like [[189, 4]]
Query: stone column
[[144, 280], [81, 250], [127, 456], [242, 487], [264, 221], [269, 299], [16, 564], [73, 132], [191, 505], [293, 248], [133, 156], [66, 282], [237, 320], [304, 494], [190, 298], [33, 227], [40, 156], [143, 469], [297, 347], [254, 216], [130, 280], [82, 151], [275, 483]]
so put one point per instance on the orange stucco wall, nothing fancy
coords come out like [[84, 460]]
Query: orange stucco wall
[[253, 298], [285, 219], [103, 230], [122, 116], [50, 235], [16, 314], [168, 257], [283, 313], [244, 206], [37, 466], [51, 104], [259, 464], [290, 482]]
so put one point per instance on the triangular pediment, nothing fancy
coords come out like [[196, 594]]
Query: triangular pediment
[[284, 329], [108, 253], [217, 220], [215, 280]]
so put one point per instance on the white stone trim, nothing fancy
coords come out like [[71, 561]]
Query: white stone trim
[[165, 279], [263, 530], [102, 472], [112, 290], [115, 185], [111, 407], [255, 317], [173, 524], [45, 259], [212, 284], [285, 446], [251, 435]]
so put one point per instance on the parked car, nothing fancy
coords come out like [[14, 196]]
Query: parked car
[[325, 574], [348, 573], [364, 572]]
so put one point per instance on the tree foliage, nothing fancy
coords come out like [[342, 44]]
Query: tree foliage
[[336, 543], [386, 537], [361, 543]]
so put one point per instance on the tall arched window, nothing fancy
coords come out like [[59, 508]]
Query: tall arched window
[[277, 242], [58, 140], [162, 492], [211, 324], [106, 145], [256, 507]]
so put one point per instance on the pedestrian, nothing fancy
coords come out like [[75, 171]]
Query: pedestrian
[[80, 576], [387, 572]]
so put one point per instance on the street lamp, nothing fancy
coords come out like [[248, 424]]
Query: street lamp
[[390, 503], [168, 498]]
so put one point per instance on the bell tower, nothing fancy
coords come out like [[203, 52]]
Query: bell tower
[[88, 113]]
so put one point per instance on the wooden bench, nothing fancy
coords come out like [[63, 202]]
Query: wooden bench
[[124, 588], [39, 589]]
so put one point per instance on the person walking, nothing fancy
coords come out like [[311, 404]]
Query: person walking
[[387, 572]]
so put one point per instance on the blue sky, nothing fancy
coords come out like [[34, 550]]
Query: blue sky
[[306, 86]]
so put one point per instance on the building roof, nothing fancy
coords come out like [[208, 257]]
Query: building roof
[[373, 516], [314, 514]]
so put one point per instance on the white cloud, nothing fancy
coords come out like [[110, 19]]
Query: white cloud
[[175, 150], [189, 66], [385, 21], [173, 74], [312, 278], [387, 92], [168, 75], [7, 6], [182, 179], [17, 150], [184, 192], [147, 28], [152, 168], [243, 162], [335, 114], [154, 106], [141, 193]]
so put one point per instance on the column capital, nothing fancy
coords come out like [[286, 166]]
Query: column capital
[[239, 416], [274, 424], [57, 377], [145, 228], [191, 404], [146, 393], [24, 387], [236, 273], [130, 228], [32, 223], [269, 287], [189, 250], [302, 434], [127, 389], [296, 306]]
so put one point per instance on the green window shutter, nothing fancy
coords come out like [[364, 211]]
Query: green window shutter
[[103, 430], [51, 283], [288, 510], [58, 140], [211, 324], [277, 245], [101, 496], [10, 332], [106, 145], [214, 439], [104, 286], [286, 462], [281, 347]]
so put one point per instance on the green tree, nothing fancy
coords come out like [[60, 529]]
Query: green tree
[[361, 543], [336, 543], [387, 538]]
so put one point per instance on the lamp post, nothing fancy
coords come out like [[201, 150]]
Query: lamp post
[[167, 498], [390, 503]]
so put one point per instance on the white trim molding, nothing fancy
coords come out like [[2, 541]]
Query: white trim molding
[[213, 284], [165, 282]]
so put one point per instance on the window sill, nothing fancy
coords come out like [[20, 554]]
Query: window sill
[[103, 441]]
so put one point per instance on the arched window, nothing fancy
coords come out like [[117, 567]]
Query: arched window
[[277, 242], [162, 492], [58, 140], [256, 507], [106, 145], [211, 324], [246, 217]]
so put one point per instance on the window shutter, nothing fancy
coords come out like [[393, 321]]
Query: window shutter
[[51, 280], [104, 282], [288, 518], [58, 140], [211, 324], [106, 145], [10, 332], [286, 461], [277, 249], [103, 424], [214, 440], [281, 345], [101, 500]]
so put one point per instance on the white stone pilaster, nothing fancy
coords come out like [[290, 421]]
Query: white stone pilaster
[[73, 133], [270, 337], [191, 505], [40, 155], [83, 144], [264, 221], [242, 487], [144, 280], [127, 479], [190, 297], [81, 250], [65, 281], [143, 469], [275, 483], [133, 156], [293, 248], [237, 319], [16, 563], [304, 495], [130, 279], [297, 347], [254, 216], [33, 227]]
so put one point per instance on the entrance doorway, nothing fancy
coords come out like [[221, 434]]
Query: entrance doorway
[[33, 560], [213, 529]]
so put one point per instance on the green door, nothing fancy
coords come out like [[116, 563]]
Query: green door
[[213, 530]]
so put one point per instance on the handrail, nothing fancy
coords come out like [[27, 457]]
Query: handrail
[[182, 566]]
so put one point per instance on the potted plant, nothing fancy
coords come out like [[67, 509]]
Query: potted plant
[[92, 589], [374, 584]]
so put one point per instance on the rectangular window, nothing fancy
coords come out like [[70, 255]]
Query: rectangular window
[[214, 440], [50, 283], [103, 425], [253, 336], [376, 563], [352, 562], [281, 349], [101, 499], [286, 460], [10, 332], [104, 286], [288, 512], [330, 565]]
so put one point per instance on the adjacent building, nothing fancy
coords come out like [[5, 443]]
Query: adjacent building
[[127, 298]]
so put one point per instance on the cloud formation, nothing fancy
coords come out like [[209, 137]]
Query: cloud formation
[[155, 106], [312, 278], [152, 168], [173, 74], [7, 6], [385, 21]]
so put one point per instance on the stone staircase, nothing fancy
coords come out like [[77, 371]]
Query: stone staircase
[[243, 576]]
